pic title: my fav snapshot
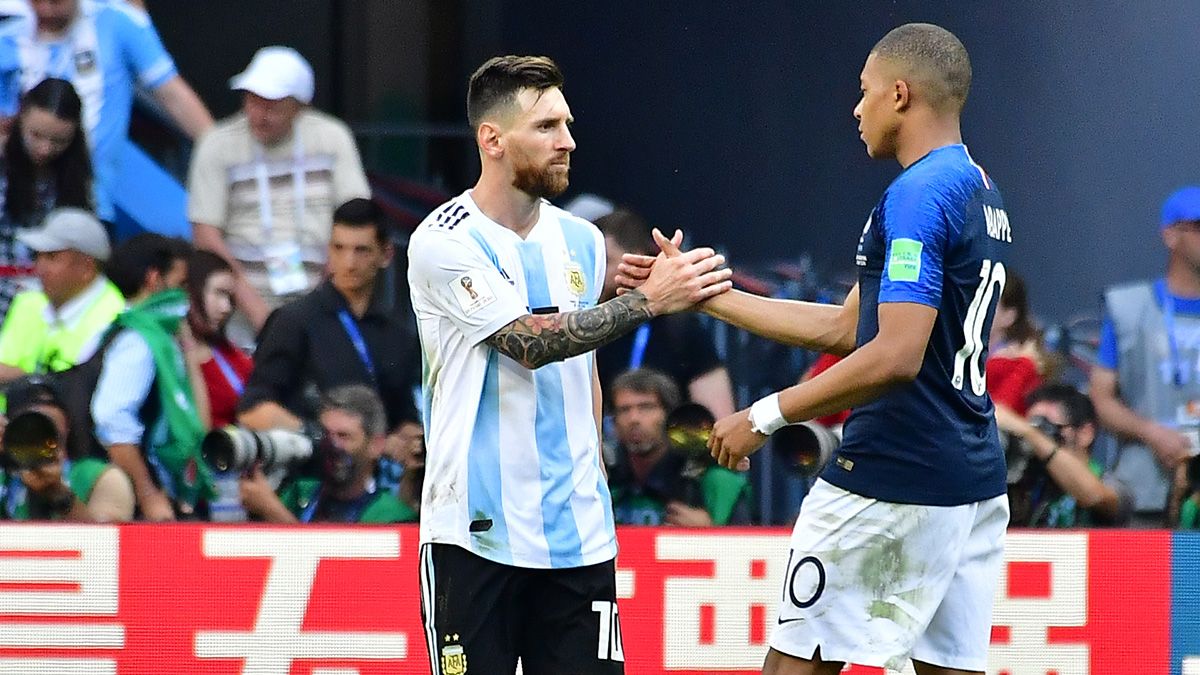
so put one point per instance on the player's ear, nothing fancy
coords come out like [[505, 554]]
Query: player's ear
[[1170, 237], [487, 136], [901, 96]]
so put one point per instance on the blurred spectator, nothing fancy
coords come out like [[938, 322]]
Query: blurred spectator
[[145, 410], [353, 426], [60, 326], [264, 184], [46, 164], [106, 50], [1016, 360], [676, 344], [341, 333], [1185, 496], [54, 487], [225, 368], [653, 483], [1146, 383], [401, 469], [1063, 485], [825, 362]]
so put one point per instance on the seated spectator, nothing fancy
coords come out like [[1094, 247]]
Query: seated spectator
[[264, 183], [353, 426], [225, 368], [1184, 508], [60, 325], [341, 333], [1016, 361], [46, 164], [56, 487], [676, 344], [1063, 485], [144, 407], [653, 483], [106, 50]]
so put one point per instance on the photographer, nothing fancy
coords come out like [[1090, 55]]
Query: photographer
[[401, 469], [40, 482], [656, 482], [1059, 483], [353, 423]]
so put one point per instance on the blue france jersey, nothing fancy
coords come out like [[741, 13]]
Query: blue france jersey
[[939, 237]]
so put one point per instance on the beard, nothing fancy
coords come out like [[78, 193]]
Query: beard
[[540, 182]]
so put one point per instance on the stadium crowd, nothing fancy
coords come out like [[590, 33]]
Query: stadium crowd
[[266, 371]]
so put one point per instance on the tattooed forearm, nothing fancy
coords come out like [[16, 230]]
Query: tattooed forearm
[[537, 339]]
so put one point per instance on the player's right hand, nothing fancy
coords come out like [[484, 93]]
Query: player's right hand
[[679, 280]]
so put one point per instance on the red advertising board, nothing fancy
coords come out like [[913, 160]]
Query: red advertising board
[[152, 599]]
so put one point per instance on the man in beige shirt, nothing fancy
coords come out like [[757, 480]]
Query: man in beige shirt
[[264, 183]]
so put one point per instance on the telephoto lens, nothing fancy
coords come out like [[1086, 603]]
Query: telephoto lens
[[30, 440], [237, 449]]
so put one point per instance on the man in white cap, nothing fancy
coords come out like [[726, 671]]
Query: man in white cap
[[59, 326], [105, 50], [264, 183]]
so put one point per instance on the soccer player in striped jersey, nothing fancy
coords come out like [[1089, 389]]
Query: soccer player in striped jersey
[[517, 537], [897, 550]]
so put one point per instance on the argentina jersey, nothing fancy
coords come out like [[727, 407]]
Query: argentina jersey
[[939, 237], [513, 463]]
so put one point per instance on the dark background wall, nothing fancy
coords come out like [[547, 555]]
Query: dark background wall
[[732, 119]]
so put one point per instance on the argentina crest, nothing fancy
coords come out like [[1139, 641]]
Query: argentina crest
[[575, 280], [454, 659]]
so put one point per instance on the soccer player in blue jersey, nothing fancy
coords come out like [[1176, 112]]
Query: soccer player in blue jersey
[[898, 547], [517, 536]]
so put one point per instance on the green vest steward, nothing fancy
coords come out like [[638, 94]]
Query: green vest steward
[[28, 342]]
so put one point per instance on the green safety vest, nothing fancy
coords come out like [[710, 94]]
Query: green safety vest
[[29, 343]]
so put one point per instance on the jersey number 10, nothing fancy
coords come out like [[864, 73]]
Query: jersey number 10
[[992, 277]]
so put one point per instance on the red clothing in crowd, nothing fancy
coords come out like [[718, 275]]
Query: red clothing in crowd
[[224, 389], [1010, 380]]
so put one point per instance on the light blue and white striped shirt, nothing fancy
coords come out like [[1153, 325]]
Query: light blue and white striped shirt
[[513, 462]]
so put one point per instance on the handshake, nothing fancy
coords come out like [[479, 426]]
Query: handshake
[[674, 280]]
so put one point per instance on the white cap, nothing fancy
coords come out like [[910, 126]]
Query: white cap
[[589, 206], [276, 73], [68, 228]]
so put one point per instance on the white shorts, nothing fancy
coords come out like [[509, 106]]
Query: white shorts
[[876, 583]]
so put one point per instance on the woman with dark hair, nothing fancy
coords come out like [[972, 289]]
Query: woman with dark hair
[[1017, 362], [224, 366], [46, 164]]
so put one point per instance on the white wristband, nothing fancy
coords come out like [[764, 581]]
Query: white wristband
[[765, 416]]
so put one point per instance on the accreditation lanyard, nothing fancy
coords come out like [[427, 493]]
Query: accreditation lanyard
[[638, 353], [265, 214], [235, 382], [356, 339], [353, 512], [1168, 309]]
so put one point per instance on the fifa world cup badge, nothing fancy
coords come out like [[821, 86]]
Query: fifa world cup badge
[[454, 659]]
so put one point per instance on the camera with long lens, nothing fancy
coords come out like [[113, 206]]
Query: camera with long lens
[[1018, 451], [808, 446], [31, 440], [237, 449]]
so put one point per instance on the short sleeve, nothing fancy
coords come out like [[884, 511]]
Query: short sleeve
[[916, 233], [145, 55], [208, 191], [461, 283], [349, 180]]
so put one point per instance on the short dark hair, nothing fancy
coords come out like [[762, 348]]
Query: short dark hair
[[629, 230], [1077, 406], [133, 258], [934, 59], [498, 81], [649, 381], [362, 212], [361, 401]]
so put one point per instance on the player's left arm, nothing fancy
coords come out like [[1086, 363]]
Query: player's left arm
[[892, 358], [598, 412]]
